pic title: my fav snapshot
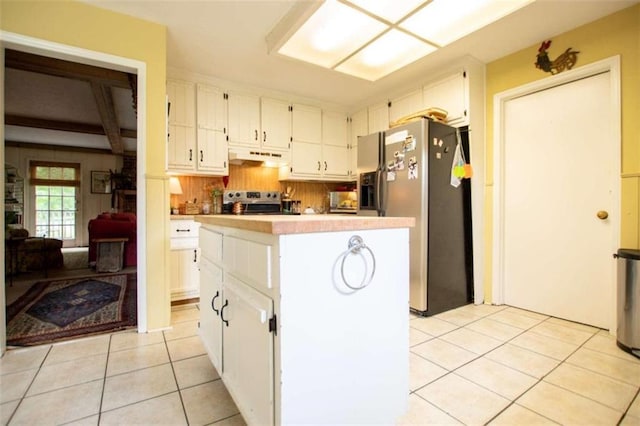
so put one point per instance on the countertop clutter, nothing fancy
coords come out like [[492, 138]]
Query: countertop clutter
[[303, 224]]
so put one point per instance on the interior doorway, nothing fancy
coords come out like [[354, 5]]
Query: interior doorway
[[69, 53], [557, 171]]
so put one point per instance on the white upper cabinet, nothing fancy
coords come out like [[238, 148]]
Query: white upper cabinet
[[306, 124], [197, 136], [320, 147], [378, 117], [405, 105], [244, 120], [276, 124], [335, 128], [450, 94], [212, 154], [181, 138]]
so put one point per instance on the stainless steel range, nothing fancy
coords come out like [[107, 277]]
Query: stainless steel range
[[251, 202]]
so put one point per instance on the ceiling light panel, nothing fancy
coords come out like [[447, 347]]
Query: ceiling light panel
[[331, 34], [393, 50], [444, 21], [389, 10]]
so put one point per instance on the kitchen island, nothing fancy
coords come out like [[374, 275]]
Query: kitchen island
[[306, 317]]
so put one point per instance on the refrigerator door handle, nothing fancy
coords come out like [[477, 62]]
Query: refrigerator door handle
[[378, 195]]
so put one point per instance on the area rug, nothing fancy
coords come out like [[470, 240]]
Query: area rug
[[57, 310]]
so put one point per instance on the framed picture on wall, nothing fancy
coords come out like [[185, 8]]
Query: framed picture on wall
[[100, 182]]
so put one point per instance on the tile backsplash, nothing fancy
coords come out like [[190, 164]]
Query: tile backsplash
[[312, 194]]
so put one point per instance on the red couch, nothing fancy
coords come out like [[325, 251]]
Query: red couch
[[114, 225]]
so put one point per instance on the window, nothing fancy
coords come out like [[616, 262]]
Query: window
[[55, 187]]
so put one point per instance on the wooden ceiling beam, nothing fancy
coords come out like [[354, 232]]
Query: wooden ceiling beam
[[107, 111], [66, 148], [60, 68], [64, 126]]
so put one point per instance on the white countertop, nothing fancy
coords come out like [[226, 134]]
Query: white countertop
[[304, 224]]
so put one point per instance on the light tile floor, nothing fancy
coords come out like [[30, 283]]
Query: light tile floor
[[473, 365]]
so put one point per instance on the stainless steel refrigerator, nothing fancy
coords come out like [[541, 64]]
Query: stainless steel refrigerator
[[407, 171]]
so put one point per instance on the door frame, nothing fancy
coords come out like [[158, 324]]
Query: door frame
[[71, 53], [611, 65]]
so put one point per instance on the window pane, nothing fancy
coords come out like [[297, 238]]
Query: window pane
[[55, 190], [55, 203], [69, 191], [55, 217], [42, 190], [41, 231], [55, 173], [69, 174], [42, 172], [69, 218], [42, 217], [69, 203]]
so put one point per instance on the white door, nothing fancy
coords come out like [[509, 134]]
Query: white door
[[560, 165]]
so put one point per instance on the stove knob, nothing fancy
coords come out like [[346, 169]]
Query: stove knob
[[230, 195], [237, 194]]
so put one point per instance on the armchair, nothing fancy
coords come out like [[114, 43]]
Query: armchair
[[114, 225]]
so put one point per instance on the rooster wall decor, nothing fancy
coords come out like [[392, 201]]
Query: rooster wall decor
[[565, 61]]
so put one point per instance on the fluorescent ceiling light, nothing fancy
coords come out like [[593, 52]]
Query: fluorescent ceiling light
[[394, 50], [372, 38], [444, 21], [332, 33], [389, 10]]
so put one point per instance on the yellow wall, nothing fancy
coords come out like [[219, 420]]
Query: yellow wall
[[617, 34], [80, 25]]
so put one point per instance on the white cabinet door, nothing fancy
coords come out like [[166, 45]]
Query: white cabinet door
[[405, 105], [185, 278], [335, 162], [181, 147], [306, 160], [359, 126], [248, 350], [335, 129], [210, 304], [449, 94], [211, 109], [181, 141], [378, 117], [306, 124], [212, 151], [182, 103], [275, 119], [244, 120]]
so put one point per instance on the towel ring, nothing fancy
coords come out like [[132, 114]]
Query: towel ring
[[356, 245]]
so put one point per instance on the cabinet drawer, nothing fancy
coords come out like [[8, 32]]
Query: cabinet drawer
[[184, 229], [184, 243], [211, 245], [249, 261]]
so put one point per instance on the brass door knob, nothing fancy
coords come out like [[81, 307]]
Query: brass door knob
[[602, 215]]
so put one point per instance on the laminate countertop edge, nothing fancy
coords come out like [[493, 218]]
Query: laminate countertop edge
[[305, 224]]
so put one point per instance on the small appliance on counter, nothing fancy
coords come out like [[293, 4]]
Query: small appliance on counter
[[343, 202]]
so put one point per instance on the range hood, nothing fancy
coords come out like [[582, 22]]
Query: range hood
[[270, 158]]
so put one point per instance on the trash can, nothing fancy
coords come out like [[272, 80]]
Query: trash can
[[628, 332]]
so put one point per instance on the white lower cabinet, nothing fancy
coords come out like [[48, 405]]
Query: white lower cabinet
[[184, 259], [210, 304], [248, 350], [291, 342]]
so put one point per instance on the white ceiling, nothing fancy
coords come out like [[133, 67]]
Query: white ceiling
[[226, 39]]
